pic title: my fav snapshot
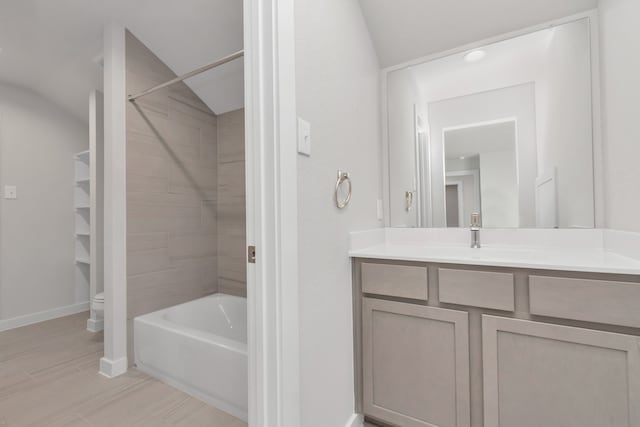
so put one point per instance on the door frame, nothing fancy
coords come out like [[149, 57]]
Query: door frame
[[272, 213]]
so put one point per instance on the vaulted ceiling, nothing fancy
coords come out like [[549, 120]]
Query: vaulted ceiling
[[54, 47], [51, 46], [402, 30]]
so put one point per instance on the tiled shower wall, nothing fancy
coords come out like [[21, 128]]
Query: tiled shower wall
[[185, 193], [232, 273], [172, 186]]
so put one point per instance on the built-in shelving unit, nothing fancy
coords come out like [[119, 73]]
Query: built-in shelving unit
[[84, 156], [82, 201]]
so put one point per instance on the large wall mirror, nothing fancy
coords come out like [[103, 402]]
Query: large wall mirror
[[504, 129]]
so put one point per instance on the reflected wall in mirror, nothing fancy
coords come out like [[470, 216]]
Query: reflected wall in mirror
[[504, 130], [481, 175]]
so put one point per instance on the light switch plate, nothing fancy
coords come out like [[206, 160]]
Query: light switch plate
[[10, 192], [304, 137]]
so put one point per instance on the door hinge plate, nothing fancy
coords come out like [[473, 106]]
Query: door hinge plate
[[251, 254]]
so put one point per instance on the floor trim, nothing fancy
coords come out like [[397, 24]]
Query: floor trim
[[42, 316], [95, 325], [113, 368], [356, 420]]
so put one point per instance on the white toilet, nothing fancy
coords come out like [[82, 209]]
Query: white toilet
[[97, 304]]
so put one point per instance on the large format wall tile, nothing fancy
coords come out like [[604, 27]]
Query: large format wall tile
[[231, 137], [172, 186], [231, 205]]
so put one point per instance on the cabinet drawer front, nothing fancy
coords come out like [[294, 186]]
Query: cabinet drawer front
[[402, 281], [486, 289], [415, 364], [598, 301]]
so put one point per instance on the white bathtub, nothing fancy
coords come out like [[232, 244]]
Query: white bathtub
[[199, 347]]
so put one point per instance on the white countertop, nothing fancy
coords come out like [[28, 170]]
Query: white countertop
[[592, 251]]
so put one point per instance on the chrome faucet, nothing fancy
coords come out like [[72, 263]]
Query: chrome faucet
[[475, 230]]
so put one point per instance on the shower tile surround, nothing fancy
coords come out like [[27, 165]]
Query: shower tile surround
[[232, 273], [185, 193]]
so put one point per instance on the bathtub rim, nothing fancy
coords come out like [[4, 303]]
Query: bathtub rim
[[156, 318]]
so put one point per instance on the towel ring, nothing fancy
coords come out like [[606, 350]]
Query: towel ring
[[342, 178]]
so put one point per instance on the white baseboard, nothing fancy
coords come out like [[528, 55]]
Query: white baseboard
[[42, 316], [113, 368], [95, 325], [356, 420]]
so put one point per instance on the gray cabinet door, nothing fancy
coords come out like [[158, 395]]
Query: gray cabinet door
[[538, 374], [415, 364]]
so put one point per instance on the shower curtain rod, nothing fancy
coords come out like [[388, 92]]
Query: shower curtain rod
[[215, 64]]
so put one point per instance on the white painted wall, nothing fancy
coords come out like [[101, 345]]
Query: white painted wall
[[620, 39], [508, 63], [407, 29], [499, 189], [467, 163], [403, 95], [38, 140], [338, 92], [563, 114], [509, 103]]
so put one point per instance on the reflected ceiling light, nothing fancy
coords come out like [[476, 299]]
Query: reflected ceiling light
[[461, 157], [475, 55]]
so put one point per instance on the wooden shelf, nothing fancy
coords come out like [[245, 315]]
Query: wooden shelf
[[83, 207], [83, 181], [87, 234]]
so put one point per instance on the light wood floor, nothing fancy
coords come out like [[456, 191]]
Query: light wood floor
[[49, 377]]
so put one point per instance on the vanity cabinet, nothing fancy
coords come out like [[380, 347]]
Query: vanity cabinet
[[416, 364], [538, 374], [455, 345]]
